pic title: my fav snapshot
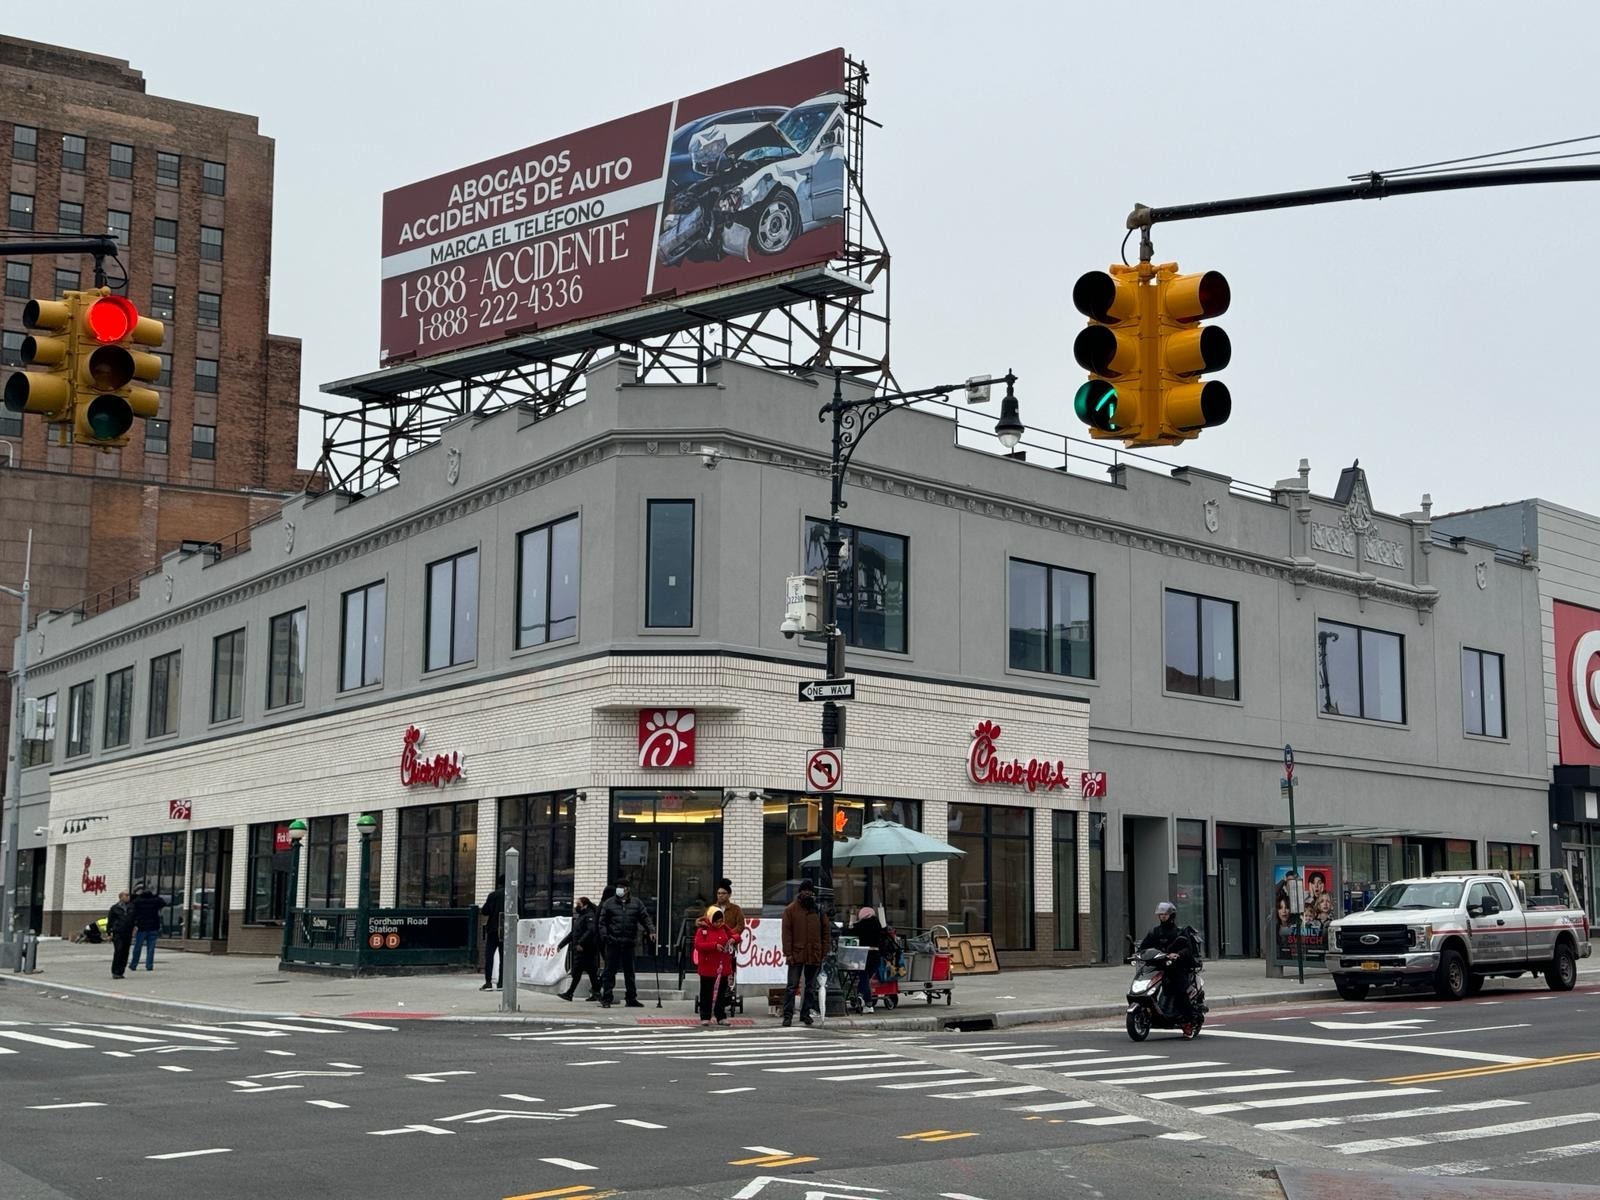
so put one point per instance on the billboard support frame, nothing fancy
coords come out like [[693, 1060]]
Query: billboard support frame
[[832, 316]]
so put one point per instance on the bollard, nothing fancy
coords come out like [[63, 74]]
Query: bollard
[[508, 934], [28, 959]]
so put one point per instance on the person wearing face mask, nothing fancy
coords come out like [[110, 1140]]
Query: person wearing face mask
[[623, 918], [805, 945]]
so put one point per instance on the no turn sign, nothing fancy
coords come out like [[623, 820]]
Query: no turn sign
[[825, 770]]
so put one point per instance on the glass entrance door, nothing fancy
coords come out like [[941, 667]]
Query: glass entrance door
[[1236, 885], [668, 847]]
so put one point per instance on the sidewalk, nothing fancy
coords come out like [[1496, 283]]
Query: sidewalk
[[224, 987]]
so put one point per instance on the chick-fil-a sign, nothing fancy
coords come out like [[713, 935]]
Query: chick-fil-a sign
[[93, 885], [438, 770], [759, 954], [984, 764]]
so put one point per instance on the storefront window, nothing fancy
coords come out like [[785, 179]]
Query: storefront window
[[438, 856], [1517, 857], [541, 830], [158, 864], [208, 909], [1191, 894], [991, 889], [327, 849], [667, 845], [1064, 862], [897, 890], [267, 873]]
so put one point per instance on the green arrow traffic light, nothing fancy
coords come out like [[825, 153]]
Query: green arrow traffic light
[[1096, 405]]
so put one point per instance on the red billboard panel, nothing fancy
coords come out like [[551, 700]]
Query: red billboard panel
[[741, 181], [1577, 670]]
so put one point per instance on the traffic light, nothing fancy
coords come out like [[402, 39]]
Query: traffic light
[[846, 823], [47, 390], [1109, 348], [1188, 404], [108, 398]]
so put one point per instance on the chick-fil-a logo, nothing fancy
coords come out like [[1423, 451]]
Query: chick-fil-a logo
[[666, 737], [752, 952], [93, 885], [986, 766], [438, 770]]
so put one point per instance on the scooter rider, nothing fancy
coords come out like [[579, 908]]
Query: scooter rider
[[1171, 940]]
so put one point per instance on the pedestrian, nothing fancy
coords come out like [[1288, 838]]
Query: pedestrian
[[584, 938], [146, 907], [120, 922], [869, 933], [805, 945], [732, 914], [494, 920], [623, 922], [714, 961]]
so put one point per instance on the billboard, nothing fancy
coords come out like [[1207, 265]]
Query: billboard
[[733, 183], [1577, 649]]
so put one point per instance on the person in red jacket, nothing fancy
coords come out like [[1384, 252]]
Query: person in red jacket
[[713, 953]]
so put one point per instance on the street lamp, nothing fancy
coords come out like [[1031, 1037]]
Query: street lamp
[[12, 832], [297, 834], [851, 420], [366, 826]]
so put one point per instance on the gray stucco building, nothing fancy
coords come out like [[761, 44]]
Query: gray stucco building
[[563, 635]]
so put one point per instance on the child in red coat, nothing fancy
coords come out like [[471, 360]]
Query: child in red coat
[[713, 953]]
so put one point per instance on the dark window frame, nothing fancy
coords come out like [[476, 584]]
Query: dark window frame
[[1201, 600], [364, 666], [19, 279], [266, 876], [653, 619], [227, 702], [327, 852], [210, 247], [40, 751], [203, 445], [119, 166], [69, 222], [1483, 714], [543, 829], [1053, 667], [163, 308], [165, 671], [158, 859], [20, 215], [206, 374], [847, 608], [164, 241], [524, 638], [208, 310], [68, 280], [117, 726], [452, 659], [122, 230], [417, 846], [74, 152], [164, 178], [31, 141], [157, 436], [986, 837], [213, 183], [1325, 707], [11, 356], [80, 719], [287, 695]]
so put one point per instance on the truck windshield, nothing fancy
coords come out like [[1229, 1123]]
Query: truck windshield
[[1417, 895]]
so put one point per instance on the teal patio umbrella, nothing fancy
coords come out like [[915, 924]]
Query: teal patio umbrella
[[888, 844]]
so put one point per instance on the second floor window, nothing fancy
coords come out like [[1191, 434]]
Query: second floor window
[[1360, 672], [39, 734], [452, 619], [119, 709], [1200, 645], [80, 719], [1483, 707], [1052, 620], [870, 605], [361, 653], [166, 236], [286, 659], [165, 690], [547, 583], [227, 676], [669, 565]]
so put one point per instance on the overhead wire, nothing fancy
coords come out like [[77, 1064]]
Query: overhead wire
[[1427, 167]]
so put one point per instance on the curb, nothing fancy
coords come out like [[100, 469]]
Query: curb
[[950, 1019]]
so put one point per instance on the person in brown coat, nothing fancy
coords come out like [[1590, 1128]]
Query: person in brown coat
[[805, 945]]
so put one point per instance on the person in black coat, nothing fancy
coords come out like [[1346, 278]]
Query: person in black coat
[[623, 918], [494, 919], [584, 938], [869, 933], [1170, 938], [146, 908], [119, 920]]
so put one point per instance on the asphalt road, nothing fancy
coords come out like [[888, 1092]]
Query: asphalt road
[[102, 1104]]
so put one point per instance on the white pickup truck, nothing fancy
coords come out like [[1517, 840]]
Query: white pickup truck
[[1454, 929]]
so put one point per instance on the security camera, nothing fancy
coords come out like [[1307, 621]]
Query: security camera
[[580, 795], [709, 457], [790, 627], [40, 830]]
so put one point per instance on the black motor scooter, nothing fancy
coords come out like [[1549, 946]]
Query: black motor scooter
[[1149, 1004]]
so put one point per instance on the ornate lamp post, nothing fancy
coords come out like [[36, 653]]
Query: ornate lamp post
[[297, 834], [366, 826]]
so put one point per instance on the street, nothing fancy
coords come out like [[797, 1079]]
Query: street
[[108, 1104]]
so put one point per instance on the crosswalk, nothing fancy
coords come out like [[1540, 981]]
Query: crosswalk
[[1336, 1111], [126, 1041]]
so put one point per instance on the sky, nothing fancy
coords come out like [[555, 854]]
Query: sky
[[1444, 340]]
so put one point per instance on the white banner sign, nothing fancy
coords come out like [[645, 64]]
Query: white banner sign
[[760, 955], [539, 959]]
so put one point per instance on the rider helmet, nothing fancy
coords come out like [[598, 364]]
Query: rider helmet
[[1166, 908]]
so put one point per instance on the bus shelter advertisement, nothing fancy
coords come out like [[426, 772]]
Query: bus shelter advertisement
[[731, 184]]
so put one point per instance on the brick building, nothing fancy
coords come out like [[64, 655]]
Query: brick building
[[187, 190]]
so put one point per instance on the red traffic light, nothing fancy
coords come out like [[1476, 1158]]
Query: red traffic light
[[111, 318]]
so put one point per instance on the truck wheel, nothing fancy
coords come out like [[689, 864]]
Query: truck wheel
[[1562, 973], [1350, 989], [1450, 981]]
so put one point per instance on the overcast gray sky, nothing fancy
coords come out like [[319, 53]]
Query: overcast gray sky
[[1445, 340]]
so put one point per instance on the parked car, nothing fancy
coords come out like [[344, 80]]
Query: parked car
[[758, 183], [1454, 929]]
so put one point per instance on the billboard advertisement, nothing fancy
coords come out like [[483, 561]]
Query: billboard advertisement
[[1577, 631], [733, 183]]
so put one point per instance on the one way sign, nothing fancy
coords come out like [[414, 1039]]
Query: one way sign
[[828, 689]]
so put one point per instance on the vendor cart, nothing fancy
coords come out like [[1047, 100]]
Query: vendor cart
[[927, 967]]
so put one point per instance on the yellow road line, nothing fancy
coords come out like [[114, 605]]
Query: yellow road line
[[934, 1135], [948, 1137], [577, 1189], [1560, 1060], [772, 1160], [908, 1137]]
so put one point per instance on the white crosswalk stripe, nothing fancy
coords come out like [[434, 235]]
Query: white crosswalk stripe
[[1475, 1133], [1318, 1098], [165, 1039], [1403, 1114]]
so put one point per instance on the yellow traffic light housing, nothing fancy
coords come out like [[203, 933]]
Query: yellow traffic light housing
[[107, 394], [1110, 349], [1188, 404], [48, 390]]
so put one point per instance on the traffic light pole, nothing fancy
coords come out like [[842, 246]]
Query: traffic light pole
[[101, 246], [1369, 187], [9, 945]]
